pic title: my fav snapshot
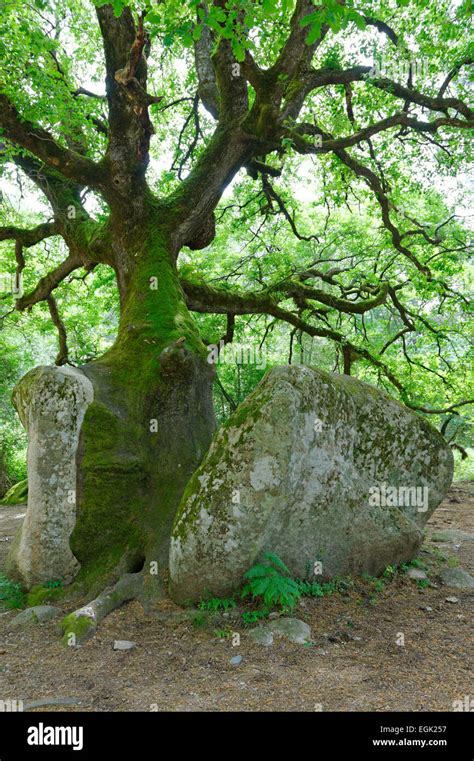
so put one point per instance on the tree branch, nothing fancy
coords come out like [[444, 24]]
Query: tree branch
[[41, 143], [49, 282], [207, 85], [202, 298], [63, 355], [29, 237]]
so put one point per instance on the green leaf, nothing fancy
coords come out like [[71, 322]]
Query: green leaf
[[118, 6], [309, 19], [272, 558], [197, 32], [314, 33], [238, 50]]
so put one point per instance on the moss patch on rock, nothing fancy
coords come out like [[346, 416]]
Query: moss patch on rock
[[17, 495], [76, 629]]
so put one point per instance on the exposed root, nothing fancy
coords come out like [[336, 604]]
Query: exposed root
[[83, 623]]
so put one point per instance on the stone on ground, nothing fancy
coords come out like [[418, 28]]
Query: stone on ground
[[293, 629], [416, 574], [458, 578], [36, 615], [312, 467], [452, 535], [261, 635], [124, 644]]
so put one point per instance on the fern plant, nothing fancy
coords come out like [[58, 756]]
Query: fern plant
[[310, 589], [217, 603], [11, 594], [254, 616], [269, 582]]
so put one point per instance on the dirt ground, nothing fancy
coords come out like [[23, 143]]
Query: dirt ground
[[353, 664]]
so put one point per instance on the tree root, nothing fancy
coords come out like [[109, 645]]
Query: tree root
[[82, 623]]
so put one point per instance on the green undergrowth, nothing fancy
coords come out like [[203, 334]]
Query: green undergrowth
[[217, 603], [269, 588], [12, 595], [47, 592]]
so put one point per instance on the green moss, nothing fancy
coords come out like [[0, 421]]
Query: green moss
[[219, 456], [17, 495], [155, 312], [40, 594], [128, 483], [80, 626], [293, 88]]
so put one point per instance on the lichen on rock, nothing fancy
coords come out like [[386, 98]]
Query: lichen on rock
[[51, 402], [294, 471]]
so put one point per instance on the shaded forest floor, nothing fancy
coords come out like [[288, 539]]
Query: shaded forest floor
[[353, 664]]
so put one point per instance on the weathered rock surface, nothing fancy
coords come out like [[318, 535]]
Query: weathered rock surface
[[312, 467], [416, 574], [458, 578], [51, 403], [452, 535], [293, 629], [36, 615], [124, 644], [261, 635]]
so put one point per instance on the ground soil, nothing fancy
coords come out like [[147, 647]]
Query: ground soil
[[355, 663]]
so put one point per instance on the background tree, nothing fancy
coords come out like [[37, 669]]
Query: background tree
[[268, 93]]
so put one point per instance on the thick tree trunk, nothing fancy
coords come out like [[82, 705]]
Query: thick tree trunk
[[148, 428]]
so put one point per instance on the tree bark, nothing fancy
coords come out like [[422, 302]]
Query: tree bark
[[150, 424]]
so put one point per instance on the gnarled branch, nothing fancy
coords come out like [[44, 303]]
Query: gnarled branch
[[42, 144]]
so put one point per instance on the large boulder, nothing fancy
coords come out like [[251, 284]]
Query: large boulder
[[51, 402], [329, 473]]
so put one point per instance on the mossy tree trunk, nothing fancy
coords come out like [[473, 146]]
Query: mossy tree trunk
[[151, 421]]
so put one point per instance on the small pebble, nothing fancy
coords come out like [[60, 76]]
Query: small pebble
[[452, 599], [124, 644], [417, 574]]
